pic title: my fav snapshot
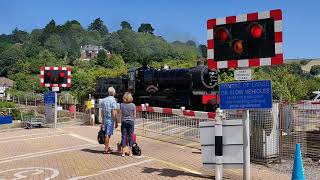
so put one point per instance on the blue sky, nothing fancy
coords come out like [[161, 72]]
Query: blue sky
[[172, 19]]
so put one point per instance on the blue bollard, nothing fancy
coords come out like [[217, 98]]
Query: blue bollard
[[298, 171]]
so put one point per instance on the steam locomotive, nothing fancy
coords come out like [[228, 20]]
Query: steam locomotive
[[192, 88]]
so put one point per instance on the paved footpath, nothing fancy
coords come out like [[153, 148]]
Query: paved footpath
[[71, 152]]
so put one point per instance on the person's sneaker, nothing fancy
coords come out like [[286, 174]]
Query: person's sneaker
[[130, 155], [123, 155]]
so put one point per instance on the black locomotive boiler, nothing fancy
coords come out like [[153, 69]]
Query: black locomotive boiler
[[192, 88]]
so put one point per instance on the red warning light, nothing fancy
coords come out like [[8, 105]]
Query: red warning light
[[61, 74], [49, 74], [222, 34], [256, 31]]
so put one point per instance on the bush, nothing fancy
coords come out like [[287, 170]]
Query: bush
[[5, 111], [315, 70]]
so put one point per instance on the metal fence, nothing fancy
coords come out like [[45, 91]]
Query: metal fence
[[300, 123], [30, 108], [171, 125], [273, 133]]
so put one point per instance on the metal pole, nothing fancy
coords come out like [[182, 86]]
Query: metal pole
[[246, 146], [75, 109], [218, 146], [55, 109], [90, 109]]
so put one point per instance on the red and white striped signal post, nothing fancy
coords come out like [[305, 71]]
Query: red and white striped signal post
[[55, 78], [244, 41]]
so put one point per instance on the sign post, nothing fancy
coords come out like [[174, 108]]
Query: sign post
[[54, 77], [245, 95], [219, 149], [244, 41], [246, 146], [55, 109]]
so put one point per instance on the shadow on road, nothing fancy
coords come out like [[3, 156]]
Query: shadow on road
[[173, 173], [93, 151]]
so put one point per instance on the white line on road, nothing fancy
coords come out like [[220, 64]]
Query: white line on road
[[52, 150], [19, 129], [32, 138], [112, 169], [9, 137], [49, 153], [175, 165], [83, 138]]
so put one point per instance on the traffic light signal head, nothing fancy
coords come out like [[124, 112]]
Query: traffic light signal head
[[55, 76], [244, 41]]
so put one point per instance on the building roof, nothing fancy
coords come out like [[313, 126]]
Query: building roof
[[6, 82], [92, 48]]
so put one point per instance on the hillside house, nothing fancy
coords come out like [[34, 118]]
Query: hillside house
[[4, 84], [88, 52]]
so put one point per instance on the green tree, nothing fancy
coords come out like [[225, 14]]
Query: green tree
[[115, 61], [92, 37], [202, 50], [191, 43], [113, 43], [55, 44], [126, 25], [315, 70], [9, 57], [98, 25], [44, 58], [19, 36], [146, 28], [50, 28], [23, 81], [101, 58]]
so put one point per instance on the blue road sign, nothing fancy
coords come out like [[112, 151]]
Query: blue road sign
[[49, 97], [246, 95]]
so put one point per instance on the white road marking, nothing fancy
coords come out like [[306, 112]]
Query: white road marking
[[32, 138], [48, 153], [36, 170], [83, 138], [9, 137], [175, 165], [112, 169], [19, 129]]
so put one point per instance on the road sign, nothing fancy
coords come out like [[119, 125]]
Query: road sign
[[49, 97], [246, 95], [246, 40], [242, 74], [232, 144]]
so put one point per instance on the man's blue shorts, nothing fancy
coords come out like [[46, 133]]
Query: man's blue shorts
[[108, 127]]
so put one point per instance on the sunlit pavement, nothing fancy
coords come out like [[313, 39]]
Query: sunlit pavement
[[72, 152]]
